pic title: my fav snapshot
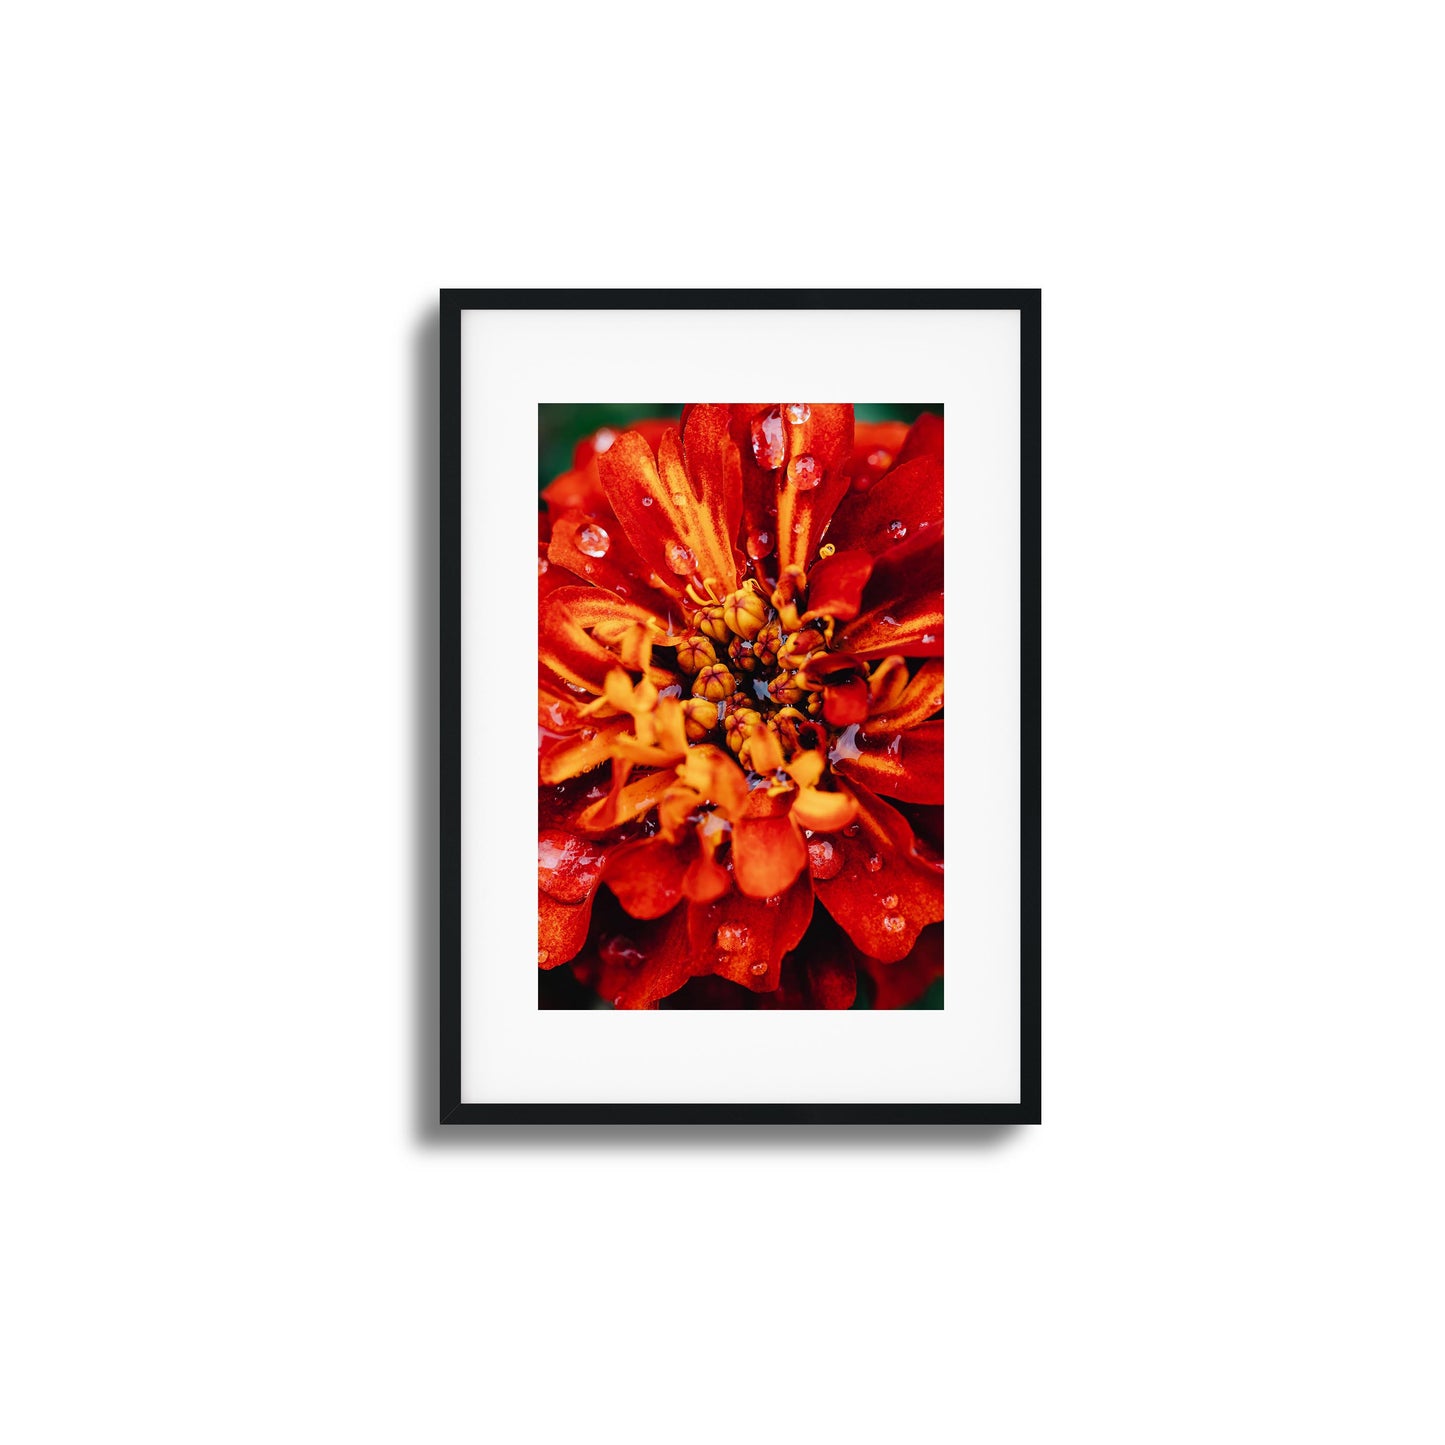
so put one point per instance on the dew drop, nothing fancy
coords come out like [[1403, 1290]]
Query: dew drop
[[825, 858], [647, 501], [928, 638], [769, 444], [873, 862], [680, 558], [852, 830], [617, 1002], [542, 956], [679, 499], [732, 937], [759, 545], [894, 923], [541, 565], [567, 866], [588, 568], [593, 540], [757, 969], [890, 900], [897, 530], [797, 529], [804, 472], [798, 412], [773, 901], [620, 949], [879, 457]]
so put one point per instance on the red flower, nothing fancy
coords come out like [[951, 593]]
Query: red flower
[[740, 695]]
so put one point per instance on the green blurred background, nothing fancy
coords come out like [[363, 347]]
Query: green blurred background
[[561, 425]]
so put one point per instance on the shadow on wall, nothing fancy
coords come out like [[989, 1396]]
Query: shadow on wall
[[427, 1131]]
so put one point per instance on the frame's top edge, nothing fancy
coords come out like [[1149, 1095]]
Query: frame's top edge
[[905, 299]]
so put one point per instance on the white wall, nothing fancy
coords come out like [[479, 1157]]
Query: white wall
[[225, 1217]]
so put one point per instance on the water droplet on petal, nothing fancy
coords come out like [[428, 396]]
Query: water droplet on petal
[[593, 540], [897, 530], [680, 558], [873, 862], [759, 545], [773, 901], [804, 472], [588, 568], [890, 900], [567, 866], [617, 1002], [647, 501], [852, 830], [757, 969], [879, 457], [894, 923], [928, 638], [798, 412], [542, 956], [825, 858], [679, 499], [769, 444], [797, 529], [541, 565], [620, 949], [732, 937]]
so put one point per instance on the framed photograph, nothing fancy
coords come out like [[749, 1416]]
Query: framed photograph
[[752, 812]]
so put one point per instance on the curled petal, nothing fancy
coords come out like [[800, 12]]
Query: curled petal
[[563, 638], [737, 933], [845, 703], [910, 768], [884, 893], [887, 685], [624, 802], [824, 812], [715, 777], [646, 875], [768, 848], [915, 704], [835, 585], [569, 755]]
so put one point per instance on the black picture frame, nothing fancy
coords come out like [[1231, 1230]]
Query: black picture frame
[[453, 1110]]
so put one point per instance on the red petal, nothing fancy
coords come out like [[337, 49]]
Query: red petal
[[619, 570], [908, 500], [646, 876], [568, 755], [678, 539], [846, 702], [881, 907], [564, 644], [910, 768], [924, 439], [705, 880], [915, 704], [827, 437], [654, 960], [768, 848], [820, 973], [736, 933], [913, 628], [904, 982], [835, 585], [561, 928], [625, 801]]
